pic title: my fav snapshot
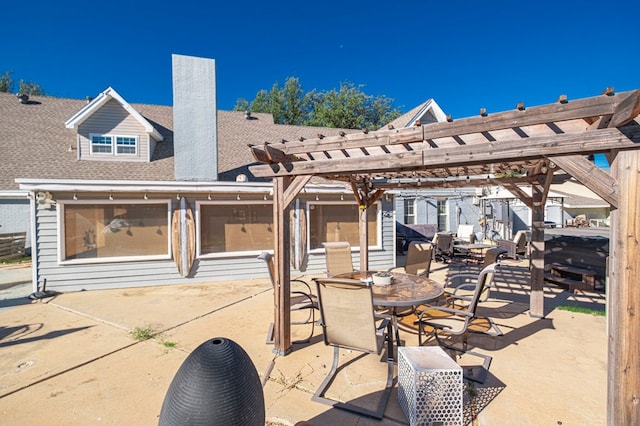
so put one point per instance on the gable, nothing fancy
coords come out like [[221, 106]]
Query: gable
[[100, 101], [425, 113], [111, 118]]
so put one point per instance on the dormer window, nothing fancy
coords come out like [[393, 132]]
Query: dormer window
[[104, 144], [126, 145]]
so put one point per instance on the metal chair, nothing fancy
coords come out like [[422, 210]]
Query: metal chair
[[349, 322], [338, 258], [419, 257], [443, 246], [515, 247], [458, 320], [462, 283], [300, 300], [465, 233]]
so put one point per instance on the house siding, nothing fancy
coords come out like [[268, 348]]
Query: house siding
[[113, 119], [12, 218], [107, 275]]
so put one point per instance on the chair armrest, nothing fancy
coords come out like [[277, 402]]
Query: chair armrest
[[451, 311], [303, 283], [463, 274], [461, 277], [307, 303], [462, 287]]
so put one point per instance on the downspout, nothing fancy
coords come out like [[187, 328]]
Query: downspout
[[34, 241]]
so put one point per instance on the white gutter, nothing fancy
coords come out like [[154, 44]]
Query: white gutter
[[14, 194], [164, 186]]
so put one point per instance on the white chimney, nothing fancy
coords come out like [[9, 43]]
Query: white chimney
[[195, 134]]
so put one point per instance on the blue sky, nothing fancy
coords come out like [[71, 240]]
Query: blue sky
[[465, 55]]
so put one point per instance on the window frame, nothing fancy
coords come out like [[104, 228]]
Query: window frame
[[113, 146], [228, 202], [409, 202], [338, 202], [442, 214], [98, 260], [124, 145]]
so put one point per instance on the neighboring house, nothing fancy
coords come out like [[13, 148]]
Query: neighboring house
[[98, 184], [579, 200], [422, 213]]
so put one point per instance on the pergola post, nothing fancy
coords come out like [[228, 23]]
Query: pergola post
[[282, 276], [623, 310], [363, 228], [536, 301]]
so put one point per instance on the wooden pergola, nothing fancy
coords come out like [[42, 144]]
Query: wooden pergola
[[522, 147]]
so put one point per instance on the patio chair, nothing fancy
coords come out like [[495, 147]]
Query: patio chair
[[462, 283], [349, 322], [301, 300], [458, 320], [418, 261], [443, 246], [515, 247], [338, 258], [465, 233]]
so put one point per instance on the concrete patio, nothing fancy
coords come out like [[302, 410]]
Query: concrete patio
[[71, 359]]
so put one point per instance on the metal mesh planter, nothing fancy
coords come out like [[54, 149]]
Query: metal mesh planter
[[429, 386]]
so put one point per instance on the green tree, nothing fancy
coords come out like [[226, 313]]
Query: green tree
[[30, 88], [24, 87], [6, 82], [349, 107]]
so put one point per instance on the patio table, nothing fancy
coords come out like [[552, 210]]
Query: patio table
[[470, 250], [405, 291]]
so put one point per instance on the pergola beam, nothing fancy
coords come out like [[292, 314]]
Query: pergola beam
[[585, 172], [519, 194], [460, 156]]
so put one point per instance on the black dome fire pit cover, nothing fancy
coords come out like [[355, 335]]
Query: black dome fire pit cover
[[216, 385]]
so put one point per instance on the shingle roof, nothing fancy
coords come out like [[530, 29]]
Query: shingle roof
[[34, 143]]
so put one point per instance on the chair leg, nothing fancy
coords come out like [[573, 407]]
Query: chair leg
[[484, 370], [378, 413], [270, 338], [319, 395], [311, 319]]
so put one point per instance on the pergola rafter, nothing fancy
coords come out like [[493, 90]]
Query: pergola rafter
[[523, 147]]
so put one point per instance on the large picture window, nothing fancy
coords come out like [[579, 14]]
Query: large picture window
[[114, 230], [235, 227], [339, 222]]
